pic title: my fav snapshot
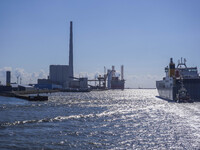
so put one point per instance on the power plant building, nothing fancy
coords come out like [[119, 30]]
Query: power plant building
[[62, 74], [59, 74]]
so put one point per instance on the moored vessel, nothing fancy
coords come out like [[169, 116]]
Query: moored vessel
[[181, 83]]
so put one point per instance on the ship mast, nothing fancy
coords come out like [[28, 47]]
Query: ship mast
[[181, 63]]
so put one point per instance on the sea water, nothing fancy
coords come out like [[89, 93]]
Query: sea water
[[113, 119]]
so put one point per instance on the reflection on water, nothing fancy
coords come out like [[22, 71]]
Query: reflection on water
[[129, 119]]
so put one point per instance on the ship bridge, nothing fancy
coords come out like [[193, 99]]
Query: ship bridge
[[186, 72]]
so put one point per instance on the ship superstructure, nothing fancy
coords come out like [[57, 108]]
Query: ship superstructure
[[113, 80], [177, 79]]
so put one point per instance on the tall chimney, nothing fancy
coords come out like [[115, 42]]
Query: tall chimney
[[113, 71], [8, 78], [71, 70], [122, 72]]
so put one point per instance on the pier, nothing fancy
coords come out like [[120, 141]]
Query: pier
[[25, 94]]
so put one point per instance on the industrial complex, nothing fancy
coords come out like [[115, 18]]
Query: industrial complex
[[61, 77]]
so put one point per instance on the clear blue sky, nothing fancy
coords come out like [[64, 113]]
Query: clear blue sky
[[140, 34]]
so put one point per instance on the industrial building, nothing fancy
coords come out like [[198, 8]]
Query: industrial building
[[62, 76], [25, 88], [14, 86], [47, 84], [79, 83], [7, 87], [59, 74]]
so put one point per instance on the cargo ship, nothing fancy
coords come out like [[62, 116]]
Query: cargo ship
[[181, 83], [113, 80]]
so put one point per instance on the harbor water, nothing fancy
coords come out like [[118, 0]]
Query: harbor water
[[114, 119]]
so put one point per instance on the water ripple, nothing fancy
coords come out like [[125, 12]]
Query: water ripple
[[129, 119]]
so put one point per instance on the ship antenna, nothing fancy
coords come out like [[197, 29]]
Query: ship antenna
[[178, 63], [185, 62], [181, 63]]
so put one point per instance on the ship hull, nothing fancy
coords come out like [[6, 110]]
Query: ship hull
[[117, 84], [166, 93], [192, 86]]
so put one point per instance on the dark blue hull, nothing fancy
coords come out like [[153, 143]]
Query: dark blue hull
[[192, 86]]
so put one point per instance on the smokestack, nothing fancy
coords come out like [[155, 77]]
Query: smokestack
[[71, 71], [8, 78], [113, 68], [122, 72], [113, 71]]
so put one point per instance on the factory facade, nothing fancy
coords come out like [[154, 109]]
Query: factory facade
[[59, 74]]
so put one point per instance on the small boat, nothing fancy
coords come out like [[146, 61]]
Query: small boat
[[182, 96]]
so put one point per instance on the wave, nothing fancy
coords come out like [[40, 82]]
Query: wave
[[58, 118]]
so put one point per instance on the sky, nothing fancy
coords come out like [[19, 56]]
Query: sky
[[142, 35]]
